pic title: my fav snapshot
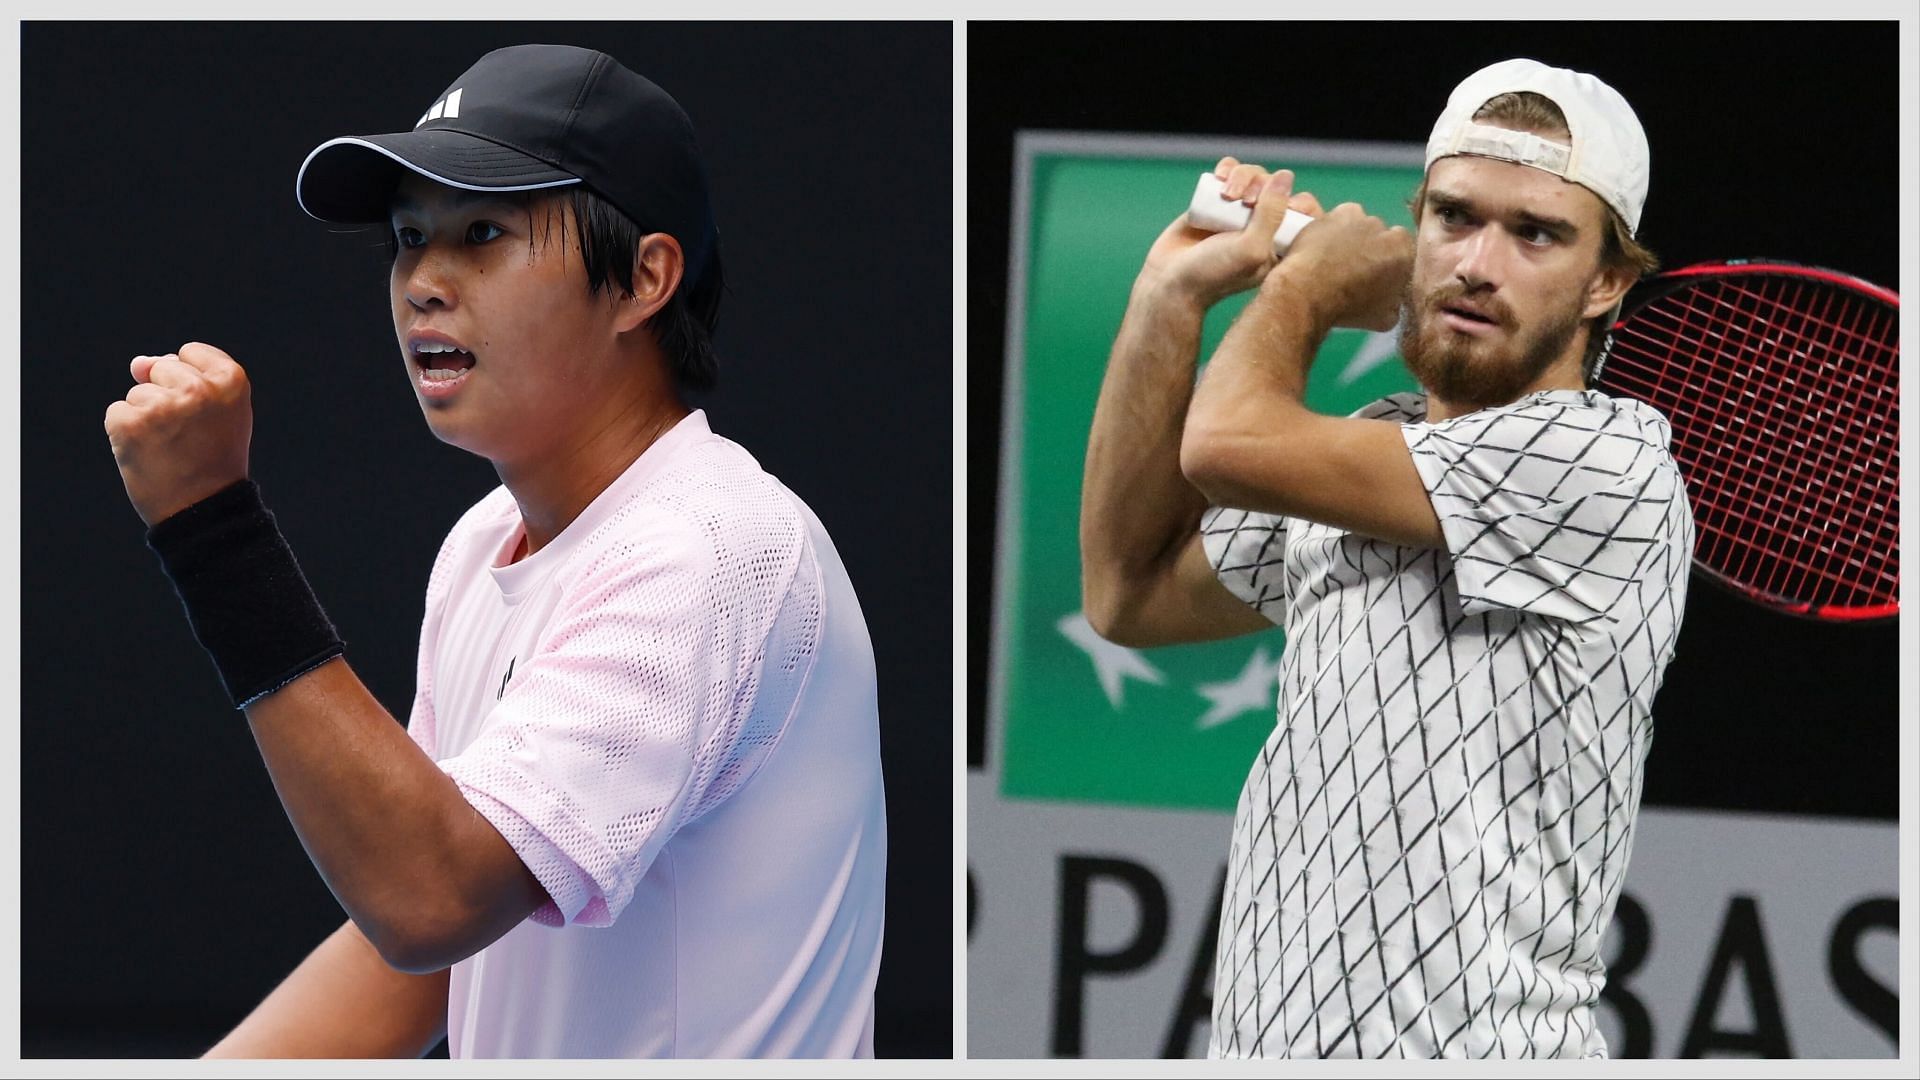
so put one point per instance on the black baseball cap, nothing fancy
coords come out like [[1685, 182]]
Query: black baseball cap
[[530, 117]]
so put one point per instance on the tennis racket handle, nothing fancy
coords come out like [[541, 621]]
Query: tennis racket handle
[[1214, 214]]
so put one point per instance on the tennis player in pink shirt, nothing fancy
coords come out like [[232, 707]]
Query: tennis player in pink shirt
[[637, 808]]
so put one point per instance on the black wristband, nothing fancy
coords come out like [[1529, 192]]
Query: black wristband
[[250, 606]]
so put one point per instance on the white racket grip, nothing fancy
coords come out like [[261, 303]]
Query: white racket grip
[[1214, 214]]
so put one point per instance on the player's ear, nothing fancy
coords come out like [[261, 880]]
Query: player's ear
[[657, 266], [1605, 290]]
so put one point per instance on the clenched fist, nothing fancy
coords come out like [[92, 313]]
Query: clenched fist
[[1352, 267], [182, 433], [1209, 267]]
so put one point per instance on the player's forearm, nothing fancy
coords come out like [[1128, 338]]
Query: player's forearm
[[426, 878], [1249, 414], [1136, 509], [343, 1001]]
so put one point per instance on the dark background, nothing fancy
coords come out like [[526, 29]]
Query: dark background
[[1768, 139], [163, 891]]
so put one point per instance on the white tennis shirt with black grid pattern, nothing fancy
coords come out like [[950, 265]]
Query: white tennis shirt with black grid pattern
[[1430, 844]]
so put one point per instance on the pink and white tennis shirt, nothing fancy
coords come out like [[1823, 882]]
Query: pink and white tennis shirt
[[669, 712]]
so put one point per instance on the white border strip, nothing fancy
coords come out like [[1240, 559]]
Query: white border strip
[[1212, 147], [957, 609]]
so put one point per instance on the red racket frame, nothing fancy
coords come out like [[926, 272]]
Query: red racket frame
[[1638, 365]]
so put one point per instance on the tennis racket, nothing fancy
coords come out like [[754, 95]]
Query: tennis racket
[[1781, 382]]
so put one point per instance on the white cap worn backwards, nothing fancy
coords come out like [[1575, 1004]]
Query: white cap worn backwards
[[1608, 155]]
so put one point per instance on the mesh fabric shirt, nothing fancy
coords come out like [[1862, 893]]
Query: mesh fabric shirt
[[669, 712], [1430, 844]]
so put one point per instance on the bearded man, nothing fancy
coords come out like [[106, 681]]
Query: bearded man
[[1481, 584]]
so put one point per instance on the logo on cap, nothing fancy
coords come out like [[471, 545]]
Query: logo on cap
[[448, 107]]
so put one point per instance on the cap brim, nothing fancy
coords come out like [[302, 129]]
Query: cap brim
[[351, 179]]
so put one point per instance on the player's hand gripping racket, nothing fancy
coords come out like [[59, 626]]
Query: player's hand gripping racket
[[1212, 213], [1780, 383]]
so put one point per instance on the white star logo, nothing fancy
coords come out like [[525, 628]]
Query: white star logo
[[1113, 663], [1379, 348], [1253, 688]]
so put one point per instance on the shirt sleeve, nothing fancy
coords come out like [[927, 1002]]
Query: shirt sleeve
[[1247, 551], [420, 722], [601, 742], [1548, 507]]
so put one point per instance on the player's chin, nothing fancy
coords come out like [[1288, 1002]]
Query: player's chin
[[1465, 374], [453, 422], [458, 435]]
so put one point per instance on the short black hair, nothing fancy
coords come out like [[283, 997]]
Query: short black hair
[[609, 248], [610, 245]]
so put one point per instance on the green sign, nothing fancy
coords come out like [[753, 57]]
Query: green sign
[[1079, 718]]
